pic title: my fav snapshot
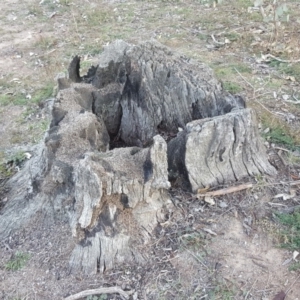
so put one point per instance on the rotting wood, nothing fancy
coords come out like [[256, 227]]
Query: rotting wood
[[104, 168]]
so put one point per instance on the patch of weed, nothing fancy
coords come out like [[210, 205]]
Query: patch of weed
[[45, 42], [193, 241], [20, 99], [290, 234], [97, 17], [43, 93], [5, 100], [17, 262], [17, 137], [232, 36], [17, 158], [279, 135], [16, 99], [231, 87], [231, 69], [294, 266], [285, 68], [8, 165], [221, 291]]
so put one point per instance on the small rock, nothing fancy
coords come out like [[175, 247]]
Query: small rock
[[223, 204]]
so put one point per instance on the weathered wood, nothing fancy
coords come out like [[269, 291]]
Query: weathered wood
[[214, 151], [105, 290], [119, 196], [112, 199], [154, 88]]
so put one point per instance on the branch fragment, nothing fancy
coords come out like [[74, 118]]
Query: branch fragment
[[109, 290]]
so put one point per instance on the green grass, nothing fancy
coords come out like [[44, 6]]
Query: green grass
[[5, 100], [291, 230], [17, 262], [290, 234], [222, 291], [7, 163], [287, 69], [231, 87], [45, 43], [279, 135], [43, 93], [20, 99]]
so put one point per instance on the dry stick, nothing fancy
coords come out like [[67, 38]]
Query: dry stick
[[250, 289], [282, 60], [275, 114], [282, 149], [76, 26], [241, 187], [214, 39], [197, 258], [245, 79], [47, 53], [289, 289], [292, 101], [229, 190], [254, 92], [109, 290]]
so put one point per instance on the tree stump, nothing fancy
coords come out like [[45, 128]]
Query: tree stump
[[143, 117]]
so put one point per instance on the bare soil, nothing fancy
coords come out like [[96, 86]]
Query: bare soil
[[226, 251]]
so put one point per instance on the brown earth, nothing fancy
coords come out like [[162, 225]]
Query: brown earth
[[225, 251]]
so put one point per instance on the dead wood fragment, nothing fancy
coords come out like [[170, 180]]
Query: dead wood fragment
[[109, 290], [229, 190], [238, 188]]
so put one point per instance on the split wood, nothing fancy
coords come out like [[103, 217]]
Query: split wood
[[241, 187], [108, 290]]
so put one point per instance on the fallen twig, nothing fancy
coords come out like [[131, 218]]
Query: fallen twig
[[245, 79], [108, 290], [265, 107], [214, 39], [281, 60], [242, 187], [228, 190], [292, 101], [282, 149], [248, 293], [289, 289]]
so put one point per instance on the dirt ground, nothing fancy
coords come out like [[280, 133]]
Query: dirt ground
[[229, 250]]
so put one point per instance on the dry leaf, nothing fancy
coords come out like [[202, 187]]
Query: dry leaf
[[286, 196], [209, 200], [295, 254]]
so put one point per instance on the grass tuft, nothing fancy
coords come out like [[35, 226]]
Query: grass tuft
[[231, 87], [291, 231], [17, 262], [279, 135]]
